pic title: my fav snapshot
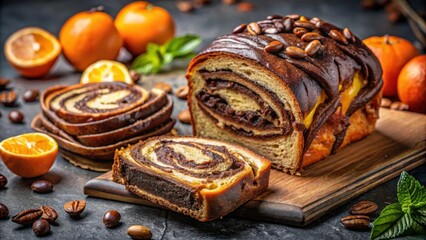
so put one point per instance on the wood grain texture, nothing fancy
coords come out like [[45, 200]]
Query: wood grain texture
[[399, 143]]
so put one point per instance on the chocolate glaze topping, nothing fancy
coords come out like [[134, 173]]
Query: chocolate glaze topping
[[335, 63]]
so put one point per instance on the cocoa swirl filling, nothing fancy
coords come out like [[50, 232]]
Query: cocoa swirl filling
[[216, 162], [307, 72]]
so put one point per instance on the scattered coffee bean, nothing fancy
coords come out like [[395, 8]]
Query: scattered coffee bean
[[254, 29], [230, 2], [386, 103], [295, 52], [42, 186], [185, 116], [349, 35], [139, 232], [8, 99], [3, 181], [135, 76], [274, 46], [185, 6], [16, 116], [164, 86], [27, 217], [288, 24], [49, 214], [312, 48], [304, 24], [41, 228], [182, 92], [31, 95], [310, 36], [364, 208], [4, 211], [3, 83], [293, 16], [111, 218], [271, 30], [270, 17], [399, 106], [298, 31], [245, 7], [75, 208], [338, 37], [356, 222], [240, 28]]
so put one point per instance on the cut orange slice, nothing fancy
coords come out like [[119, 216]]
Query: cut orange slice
[[32, 51], [106, 71], [29, 155]]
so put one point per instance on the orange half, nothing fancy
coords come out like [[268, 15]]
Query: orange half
[[106, 71], [29, 155], [32, 51]]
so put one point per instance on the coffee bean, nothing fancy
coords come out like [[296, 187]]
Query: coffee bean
[[295, 52], [164, 86], [304, 24], [3, 83], [111, 218], [349, 35], [314, 20], [356, 222], [267, 21], [299, 31], [75, 208], [42, 186], [270, 17], [245, 7], [139, 232], [386, 103], [240, 28], [313, 47], [185, 6], [4, 211], [399, 106], [182, 92], [364, 208], [288, 24], [136, 77], [293, 16], [41, 228], [271, 30], [3, 181], [303, 18], [27, 217], [185, 116], [16, 116], [338, 37], [310, 36], [318, 25], [8, 99], [31, 95], [254, 29], [49, 214], [278, 24], [274, 46]]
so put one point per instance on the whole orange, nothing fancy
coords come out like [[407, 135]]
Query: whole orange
[[393, 53], [412, 84], [140, 23], [88, 37]]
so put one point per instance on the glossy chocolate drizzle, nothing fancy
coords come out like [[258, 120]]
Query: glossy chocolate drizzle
[[335, 64]]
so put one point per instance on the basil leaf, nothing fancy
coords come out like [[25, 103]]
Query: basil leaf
[[411, 194], [391, 223], [181, 46]]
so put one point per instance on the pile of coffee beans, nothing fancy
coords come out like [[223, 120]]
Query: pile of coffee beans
[[360, 218], [188, 6]]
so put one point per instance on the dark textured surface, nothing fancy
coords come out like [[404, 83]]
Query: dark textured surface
[[209, 22]]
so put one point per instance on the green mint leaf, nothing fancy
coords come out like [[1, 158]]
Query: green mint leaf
[[419, 216], [183, 45], [416, 228], [147, 63], [411, 194], [391, 223]]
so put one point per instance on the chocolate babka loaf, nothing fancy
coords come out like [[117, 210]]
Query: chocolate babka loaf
[[290, 88], [92, 120], [202, 178]]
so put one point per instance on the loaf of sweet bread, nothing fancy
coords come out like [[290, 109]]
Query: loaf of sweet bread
[[89, 121], [202, 178], [290, 88]]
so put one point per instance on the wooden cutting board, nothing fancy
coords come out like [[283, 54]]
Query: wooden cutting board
[[398, 144]]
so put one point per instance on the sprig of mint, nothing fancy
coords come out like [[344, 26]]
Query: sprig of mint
[[407, 216], [157, 56]]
